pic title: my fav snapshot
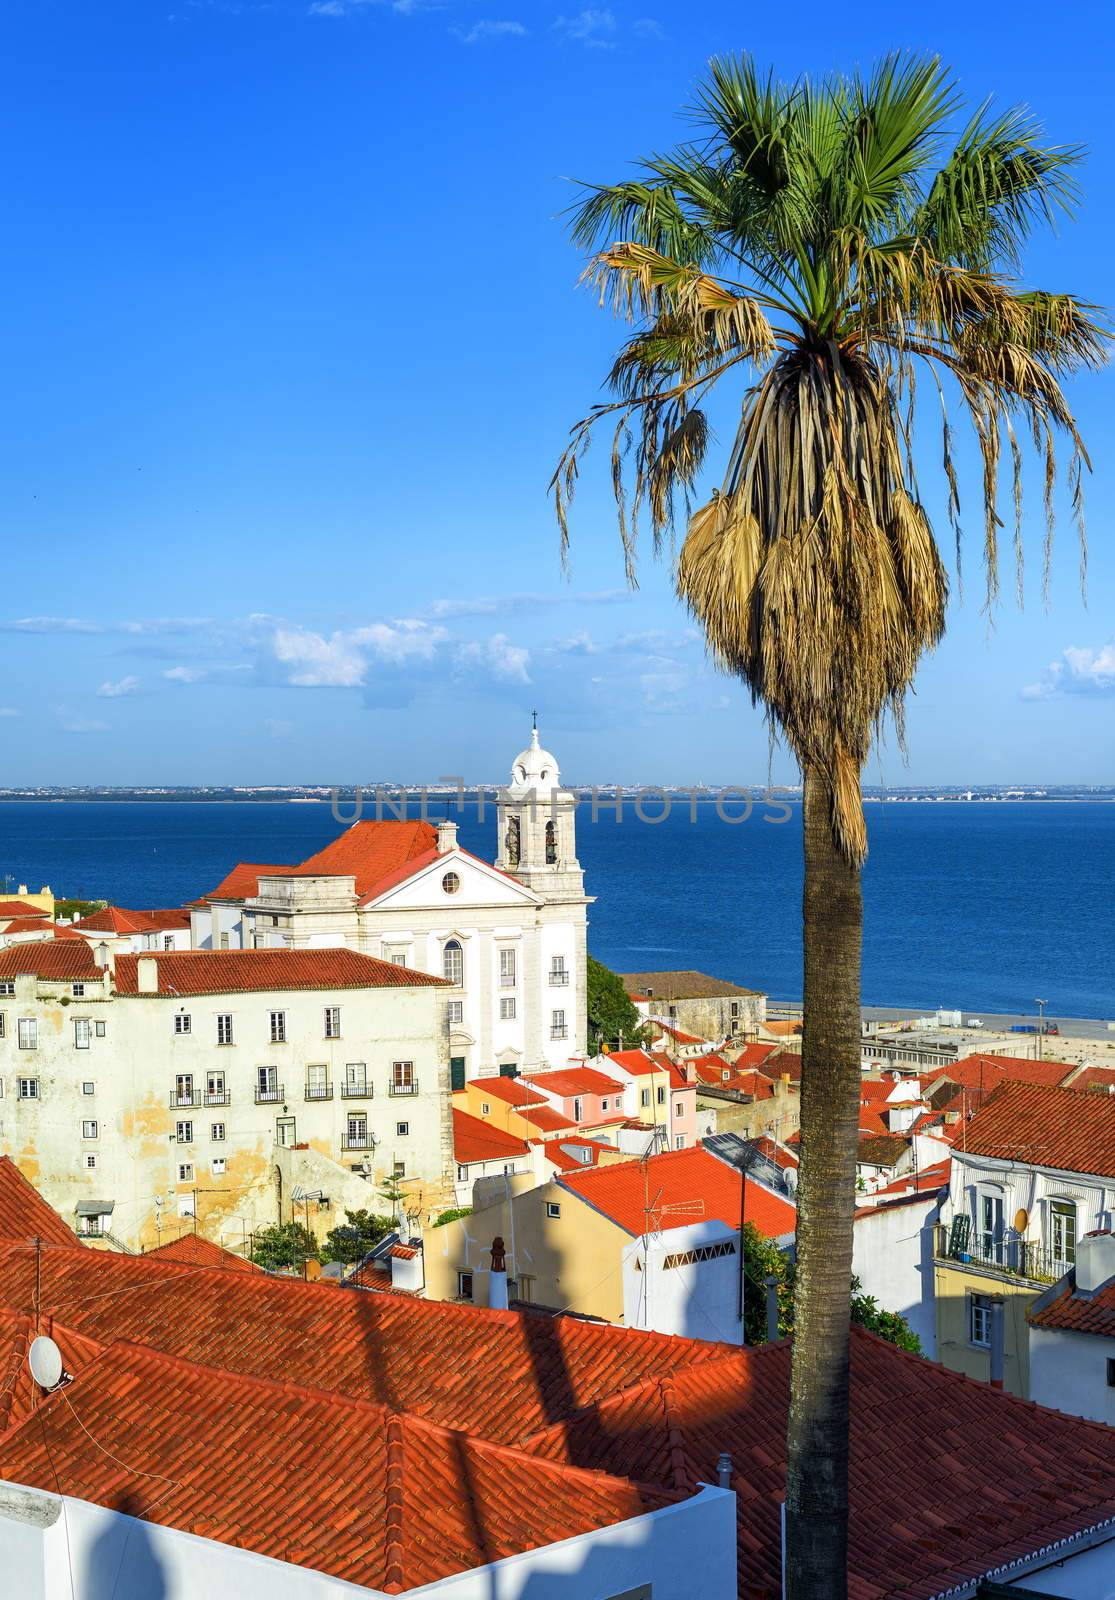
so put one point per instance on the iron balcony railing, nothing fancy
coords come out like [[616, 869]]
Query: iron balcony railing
[[356, 1141], [361, 1090], [559, 1033], [319, 1091], [559, 980], [267, 1095], [408, 1087], [216, 1097], [1009, 1257], [185, 1101]]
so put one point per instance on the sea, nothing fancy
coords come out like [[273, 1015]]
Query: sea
[[978, 906]]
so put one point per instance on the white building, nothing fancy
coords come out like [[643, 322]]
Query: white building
[[510, 937], [167, 1086], [1072, 1335]]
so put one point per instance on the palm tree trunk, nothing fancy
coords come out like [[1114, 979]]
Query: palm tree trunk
[[817, 1442]]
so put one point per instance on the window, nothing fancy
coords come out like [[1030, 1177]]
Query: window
[[679, 1142], [578, 1109], [507, 969], [217, 1132], [90, 1163], [29, 1089], [224, 1027], [402, 1078], [398, 958], [356, 1131], [27, 1033], [464, 1285], [557, 1025], [88, 1130], [553, 1208], [507, 1010], [317, 1082], [453, 962], [168, 941], [672, 1013], [559, 977], [457, 1069], [679, 1109], [979, 1332], [182, 1022], [399, 1168], [644, 1097], [83, 1032], [185, 1172], [526, 1286], [7, 987], [450, 883], [99, 1030], [734, 1008], [3, 1026], [215, 1092], [356, 1079], [217, 1166], [1111, 1372], [278, 1027], [332, 1022], [87, 1088], [1062, 1233], [184, 1089], [462, 1173], [285, 1132], [455, 1013], [485, 1108], [661, 1095], [402, 1130], [78, 991], [184, 1132]]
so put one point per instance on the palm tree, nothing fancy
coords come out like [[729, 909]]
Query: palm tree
[[832, 242]]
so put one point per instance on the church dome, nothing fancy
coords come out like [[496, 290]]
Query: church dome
[[534, 769]]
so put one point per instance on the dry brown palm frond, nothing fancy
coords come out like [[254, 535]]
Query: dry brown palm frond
[[639, 282], [814, 573]]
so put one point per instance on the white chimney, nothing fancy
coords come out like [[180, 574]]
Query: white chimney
[[1095, 1261], [446, 837], [147, 975], [497, 1280]]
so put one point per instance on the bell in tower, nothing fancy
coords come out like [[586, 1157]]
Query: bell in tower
[[537, 829]]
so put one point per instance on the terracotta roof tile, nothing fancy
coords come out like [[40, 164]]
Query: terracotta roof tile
[[546, 1119], [882, 1149], [114, 919], [575, 1155], [24, 1214], [242, 883], [18, 908], [1094, 1313], [371, 852], [986, 1072], [685, 1186], [1095, 1079], [569, 1081], [56, 960], [681, 986], [1047, 1128], [191, 1247], [637, 1062], [193, 972], [512, 1091], [476, 1140]]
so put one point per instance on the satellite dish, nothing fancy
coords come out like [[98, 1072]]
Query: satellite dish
[[45, 1360], [1021, 1218]]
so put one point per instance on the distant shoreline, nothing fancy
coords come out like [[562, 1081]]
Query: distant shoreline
[[733, 796]]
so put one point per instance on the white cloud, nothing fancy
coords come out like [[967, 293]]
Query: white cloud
[[342, 659], [490, 605], [72, 722], [498, 656], [344, 8], [487, 29], [10, 711], [594, 28], [184, 674], [649, 28], [52, 625], [122, 686], [1081, 669], [580, 644]]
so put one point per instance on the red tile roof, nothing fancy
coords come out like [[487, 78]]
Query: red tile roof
[[937, 1446], [383, 1501], [475, 1140], [168, 916], [1046, 1128], [675, 1033], [569, 1081], [568, 1155], [919, 1186], [985, 1072], [24, 1214], [546, 1119], [882, 1149], [56, 960], [638, 1062], [1093, 1313], [1093, 1078], [191, 1247], [684, 1186], [19, 1394], [371, 852], [776, 1152], [754, 1055], [194, 972], [18, 908], [114, 919], [512, 1091]]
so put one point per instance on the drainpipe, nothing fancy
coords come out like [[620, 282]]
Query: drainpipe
[[997, 1352]]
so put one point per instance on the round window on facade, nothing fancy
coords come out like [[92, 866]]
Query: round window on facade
[[451, 883]]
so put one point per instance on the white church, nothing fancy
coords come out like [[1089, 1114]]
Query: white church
[[510, 937]]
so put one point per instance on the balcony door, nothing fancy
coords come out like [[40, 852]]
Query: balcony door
[[184, 1089], [267, 1083], [1062, 1235]]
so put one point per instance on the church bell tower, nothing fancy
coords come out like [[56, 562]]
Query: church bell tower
[[537, 828]]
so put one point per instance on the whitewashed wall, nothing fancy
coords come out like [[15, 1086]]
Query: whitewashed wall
[[893, 1258]]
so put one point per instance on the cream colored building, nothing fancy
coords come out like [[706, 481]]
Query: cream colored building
[[228, 1086], [510, 935]]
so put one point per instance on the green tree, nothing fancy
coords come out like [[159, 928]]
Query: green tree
[[452, 1215], [285, 1245], [611, 1015], [352, 1239], [762, 1259], [812, 251]]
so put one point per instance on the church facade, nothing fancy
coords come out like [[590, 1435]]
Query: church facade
[[510, 936]]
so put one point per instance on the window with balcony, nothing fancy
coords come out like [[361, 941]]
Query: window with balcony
[[268, 1087], [1062, 1235], [184, 1132], [83, 1033], [356, 1131], [989, 1225], [216, 1094], [224, 1027], [332, 1022], [559, 976], [182, 1023], [507, 969], [403, 1080], [356, 1083], [278, 1027], [317, 1083], [27, 1033], [453, 962], [184, 1089], [558, 1029]]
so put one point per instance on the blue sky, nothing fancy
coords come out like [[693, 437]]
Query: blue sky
[[292, 338]]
